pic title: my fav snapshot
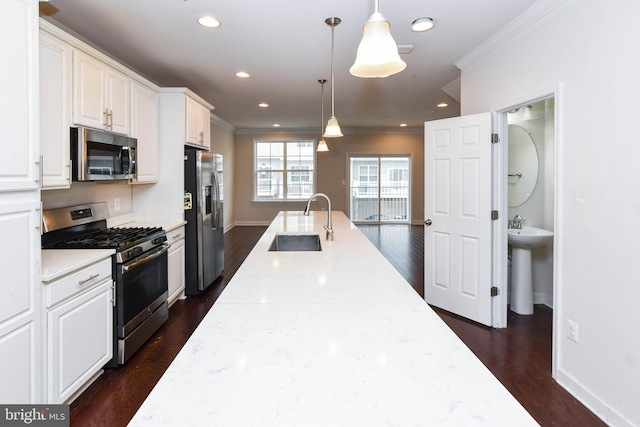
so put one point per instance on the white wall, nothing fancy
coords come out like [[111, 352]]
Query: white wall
[[590, 47], [222, 142]]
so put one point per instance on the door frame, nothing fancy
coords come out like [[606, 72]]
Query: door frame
[[500, 251]]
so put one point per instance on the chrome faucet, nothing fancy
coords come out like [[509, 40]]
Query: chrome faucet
[[516, 222], [329, 226]]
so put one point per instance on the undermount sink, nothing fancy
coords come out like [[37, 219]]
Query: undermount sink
[[529, 237], [296, 242]]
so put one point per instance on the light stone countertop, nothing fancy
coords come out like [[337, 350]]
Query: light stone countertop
[[330, 338], [60, 262]]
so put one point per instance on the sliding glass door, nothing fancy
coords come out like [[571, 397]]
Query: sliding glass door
[[379, 189]]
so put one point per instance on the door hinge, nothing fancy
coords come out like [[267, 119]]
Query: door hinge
[[494, 138], [494, 215], [494, 291]]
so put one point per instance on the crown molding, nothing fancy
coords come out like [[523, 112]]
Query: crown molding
[[345, 131], [218, 121], [507, 34]]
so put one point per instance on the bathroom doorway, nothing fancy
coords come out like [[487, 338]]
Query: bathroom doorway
[[530, 186], [529, 191]]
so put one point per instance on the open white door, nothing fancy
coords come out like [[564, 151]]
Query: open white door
[[458, 225]]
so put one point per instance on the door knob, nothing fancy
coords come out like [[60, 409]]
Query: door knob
[[427, 222]]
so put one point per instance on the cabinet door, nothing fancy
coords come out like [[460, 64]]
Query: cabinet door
[[18, 103], [118, 101], [205, 126], [19, 303], [89, 103], [80, 334], [19, 369], [176, 270], [55, 110], [144, 127], [193, 117]]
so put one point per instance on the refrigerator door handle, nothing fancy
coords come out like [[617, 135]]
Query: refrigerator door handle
[[214, 201], [207, 199]]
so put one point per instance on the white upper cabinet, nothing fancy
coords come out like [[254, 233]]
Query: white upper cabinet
[[101, 97], [19, 101], [144, 127], [198, 132], [55, 110]]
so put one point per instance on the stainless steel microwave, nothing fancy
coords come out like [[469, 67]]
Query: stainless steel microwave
[[97, 155]]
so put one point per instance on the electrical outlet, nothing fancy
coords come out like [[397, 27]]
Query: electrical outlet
[[572, 330], [116, 204]]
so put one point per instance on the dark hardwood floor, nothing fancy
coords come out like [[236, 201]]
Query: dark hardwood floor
[[519, 356]]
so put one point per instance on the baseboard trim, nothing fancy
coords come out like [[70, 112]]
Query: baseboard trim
[[603, 411]]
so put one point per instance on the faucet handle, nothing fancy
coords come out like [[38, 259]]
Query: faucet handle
[[329, 235]]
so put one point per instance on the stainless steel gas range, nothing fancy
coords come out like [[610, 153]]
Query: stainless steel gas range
[[139, 269]]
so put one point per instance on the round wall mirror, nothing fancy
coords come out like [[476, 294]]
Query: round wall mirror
[[523, 166]]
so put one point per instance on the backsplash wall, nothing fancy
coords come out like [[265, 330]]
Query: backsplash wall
[[91, 192]]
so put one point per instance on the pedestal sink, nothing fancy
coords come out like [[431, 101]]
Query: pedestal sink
[[521, 241]]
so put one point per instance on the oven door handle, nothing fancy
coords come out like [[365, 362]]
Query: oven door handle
[[126, 268]]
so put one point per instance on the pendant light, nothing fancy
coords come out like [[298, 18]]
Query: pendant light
[[322, 145], [378, 52], [333, 128]]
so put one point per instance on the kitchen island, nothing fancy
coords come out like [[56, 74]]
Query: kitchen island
[[329, 338]]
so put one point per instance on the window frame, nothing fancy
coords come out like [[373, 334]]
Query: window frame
[[285, 170]]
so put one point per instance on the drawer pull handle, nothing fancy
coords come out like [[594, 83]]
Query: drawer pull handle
[[176, 236], [82, 282]]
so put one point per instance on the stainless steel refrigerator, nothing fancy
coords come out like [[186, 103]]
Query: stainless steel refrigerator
[[204, 239]]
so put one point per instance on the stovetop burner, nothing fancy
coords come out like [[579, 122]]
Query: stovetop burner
[[117, 238], [85, 227]]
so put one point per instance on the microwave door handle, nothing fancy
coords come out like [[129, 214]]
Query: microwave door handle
[[124, 153]]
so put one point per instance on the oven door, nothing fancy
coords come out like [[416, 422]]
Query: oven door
[[141, 287]]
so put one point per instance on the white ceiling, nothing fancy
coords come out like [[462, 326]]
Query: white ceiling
[[286, 47]]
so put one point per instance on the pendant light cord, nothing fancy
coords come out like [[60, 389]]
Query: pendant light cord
[[333, 27], [322, 82]]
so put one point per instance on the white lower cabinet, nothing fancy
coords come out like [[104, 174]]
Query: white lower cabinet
[[79, 330], [20, 313], [176, 264]]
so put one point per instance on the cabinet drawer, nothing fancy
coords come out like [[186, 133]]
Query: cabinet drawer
[[77, 282], [175, 235]]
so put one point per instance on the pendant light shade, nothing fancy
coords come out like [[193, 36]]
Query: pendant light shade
[[333, 128], [322, 145], [378, 52]]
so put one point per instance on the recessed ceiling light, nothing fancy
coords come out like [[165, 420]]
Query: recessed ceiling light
[[242, 74], [263, 105], [276, 125], [403, 125], [209, 22], [422, 24], [442, 105]]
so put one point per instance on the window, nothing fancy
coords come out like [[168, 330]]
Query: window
[[284, 170], [368, 174], [398, 175]]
